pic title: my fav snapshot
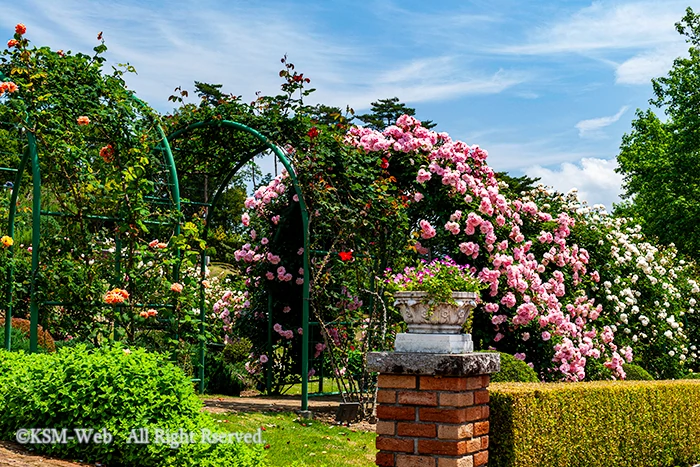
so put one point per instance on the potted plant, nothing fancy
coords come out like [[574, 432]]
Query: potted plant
[[435, 298]]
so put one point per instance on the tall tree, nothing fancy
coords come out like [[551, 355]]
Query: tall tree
[[384, 112], [659, 160]]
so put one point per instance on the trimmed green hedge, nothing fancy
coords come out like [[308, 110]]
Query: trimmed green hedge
[[636, 373], [514, 371], [597, 424], [115, 390]]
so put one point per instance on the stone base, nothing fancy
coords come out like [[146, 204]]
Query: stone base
[[434, 343]]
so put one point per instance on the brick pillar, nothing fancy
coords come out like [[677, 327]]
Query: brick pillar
[[433, 409]]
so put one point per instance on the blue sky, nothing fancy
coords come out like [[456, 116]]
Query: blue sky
[[548, 87]]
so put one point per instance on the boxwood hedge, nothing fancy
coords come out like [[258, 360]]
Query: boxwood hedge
[[597, 424]]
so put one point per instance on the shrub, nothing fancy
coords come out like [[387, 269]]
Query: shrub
[[20, 341], [514, 371], [115, 390], [44, 338], [596, 424], [225, 372], [636, 373]]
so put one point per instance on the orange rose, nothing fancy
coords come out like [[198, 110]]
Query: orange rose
[[176, 287], [12, 43], [107, 153], [20, 29], [83, 120]]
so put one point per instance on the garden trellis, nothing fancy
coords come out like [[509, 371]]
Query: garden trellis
[[168, 194]]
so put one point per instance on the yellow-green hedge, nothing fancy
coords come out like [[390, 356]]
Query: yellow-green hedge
[[599, 424]]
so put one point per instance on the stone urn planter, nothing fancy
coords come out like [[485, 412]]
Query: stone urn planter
[[434, 328]]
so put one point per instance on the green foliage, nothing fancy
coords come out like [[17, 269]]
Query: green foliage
[[20, 341], [659, 159], [514, 371], [44, 339], [385, 112], [111, 208], [115, 390], [599, 424], [439, 278], [636, 373], [225, 370]]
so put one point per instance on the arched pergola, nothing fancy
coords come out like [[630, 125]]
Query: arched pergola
[[280, 154], [30, 161]]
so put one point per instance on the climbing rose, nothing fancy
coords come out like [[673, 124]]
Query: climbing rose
[[7, 241], [345, 255], [313, 132], [83, 120], [20, 29], [116, 296], [107, 153], [176, 287], [12, 43]]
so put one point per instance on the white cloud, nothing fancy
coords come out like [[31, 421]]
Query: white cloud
[[592, 127], [641, 68], [240, 46], [595, 179], [605, 26]]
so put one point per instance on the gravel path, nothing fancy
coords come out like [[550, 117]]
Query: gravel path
[[14, 455]]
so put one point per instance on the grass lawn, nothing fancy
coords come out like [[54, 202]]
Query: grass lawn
[[295, 442]]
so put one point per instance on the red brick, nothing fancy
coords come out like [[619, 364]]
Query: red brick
[[455, 431], [457, 399], [481, 458], [481, 397], [386, 428], [402, 460], [418, 430], [396, 381], [445, 448], [385, 459], [473, 445], [386, 443], [485, 380], [475, 382], [443, 415], [481, 428], [418, 398], [475, 414], [386, 396], [385, 412], [458, 383], [464, 461], [484, 442]]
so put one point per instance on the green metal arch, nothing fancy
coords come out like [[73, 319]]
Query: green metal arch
[[281, 155], [31, 156]]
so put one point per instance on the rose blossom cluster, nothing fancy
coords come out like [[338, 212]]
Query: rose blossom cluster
[[229, 308], [648, 291], [529, 294]]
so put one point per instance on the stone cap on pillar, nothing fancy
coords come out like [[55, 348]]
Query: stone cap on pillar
[[432, 364]]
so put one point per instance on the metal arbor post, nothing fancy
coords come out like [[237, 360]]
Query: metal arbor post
[[282, 157]]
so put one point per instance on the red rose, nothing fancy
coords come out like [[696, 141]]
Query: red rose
[[313, 132], [20, 29], [345, 255]]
